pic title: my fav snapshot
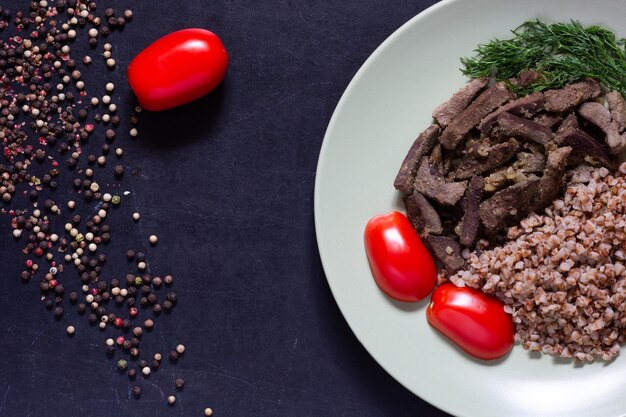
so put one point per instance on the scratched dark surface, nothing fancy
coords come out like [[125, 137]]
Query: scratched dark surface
[[227, 185]]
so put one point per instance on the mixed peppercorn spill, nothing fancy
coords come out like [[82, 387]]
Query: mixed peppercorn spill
[[60, 178]]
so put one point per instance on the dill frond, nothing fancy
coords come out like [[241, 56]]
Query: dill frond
[[562, 52]]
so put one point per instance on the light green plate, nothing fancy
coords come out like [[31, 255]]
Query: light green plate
[[385, 106]]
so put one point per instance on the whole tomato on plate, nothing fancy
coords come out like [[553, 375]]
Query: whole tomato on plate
[[400, 263], [177, 69], [475, 321]]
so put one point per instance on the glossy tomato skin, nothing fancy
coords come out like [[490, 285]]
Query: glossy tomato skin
[[475, 321], [177, 69], [400, 263]]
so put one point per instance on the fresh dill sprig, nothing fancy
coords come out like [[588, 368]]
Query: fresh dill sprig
[[561, 52]]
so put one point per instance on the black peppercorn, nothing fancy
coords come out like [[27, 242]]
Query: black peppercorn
[[180, 383]]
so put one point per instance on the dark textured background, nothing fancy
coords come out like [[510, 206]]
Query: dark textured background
[[227, 185]]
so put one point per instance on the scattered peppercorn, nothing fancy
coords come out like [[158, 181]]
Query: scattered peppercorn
[[64, 122], [122, 364], [180, 383]]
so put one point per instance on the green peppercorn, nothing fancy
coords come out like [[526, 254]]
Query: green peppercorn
[[122, 364]]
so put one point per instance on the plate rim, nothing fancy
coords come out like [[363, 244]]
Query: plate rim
[[316, 197]]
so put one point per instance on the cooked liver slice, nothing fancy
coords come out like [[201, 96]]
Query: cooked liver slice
[[530, 162], [600, 116], [550, 182], [488, 101], [549, 120], [422, 214], [526, 78], [518, 127], [423, 145], [447, 111], [471, 220], [508, 204], [563, 99], [524, 107], [617, 106], [484, 159], [430, 182], [584, 144], [571, 121], [446, 250]]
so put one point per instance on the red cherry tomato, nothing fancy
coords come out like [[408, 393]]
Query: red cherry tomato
[[177, 69], [473, 320], [402, 266]]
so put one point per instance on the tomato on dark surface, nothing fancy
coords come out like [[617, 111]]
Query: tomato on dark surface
[[177, 69], [400, 263], [473, 320]]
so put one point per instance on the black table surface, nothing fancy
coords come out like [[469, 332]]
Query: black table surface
[[227, 185]]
